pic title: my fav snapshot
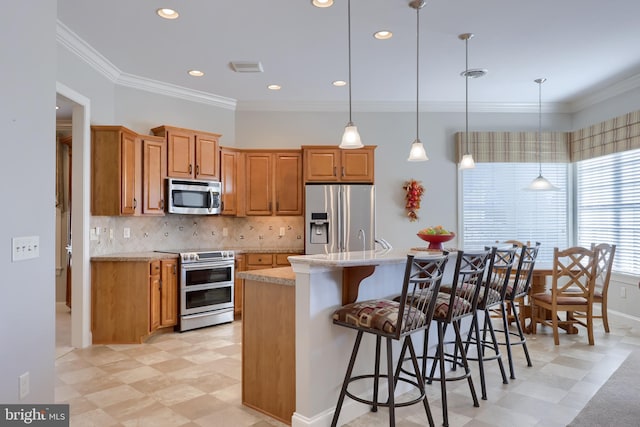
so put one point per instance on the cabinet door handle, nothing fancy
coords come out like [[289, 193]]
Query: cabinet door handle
[[197, 169], [190, 168], [175, 271], [334, 171], [277, 206], [343, 171], [161, 204]]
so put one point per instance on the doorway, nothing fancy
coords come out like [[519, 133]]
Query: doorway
[[77, 108]]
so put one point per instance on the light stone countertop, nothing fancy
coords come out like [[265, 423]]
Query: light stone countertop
[[358, 258], [134, 256], [279, 275]]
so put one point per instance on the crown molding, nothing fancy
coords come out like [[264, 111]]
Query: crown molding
[[614, 89], [74, 44]]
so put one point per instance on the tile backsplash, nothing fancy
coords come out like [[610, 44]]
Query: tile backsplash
[[195, 232]]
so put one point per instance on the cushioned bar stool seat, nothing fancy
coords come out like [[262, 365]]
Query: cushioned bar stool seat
[[393, 320]]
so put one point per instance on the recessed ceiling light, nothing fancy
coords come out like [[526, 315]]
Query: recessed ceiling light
[[383, 35], [274, 87], [339, 83], [196, 73], [322, 3], [167, 13]]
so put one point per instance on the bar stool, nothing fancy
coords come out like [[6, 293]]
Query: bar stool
[[460, 302], [517, 289], [491, 296], [394, 320]]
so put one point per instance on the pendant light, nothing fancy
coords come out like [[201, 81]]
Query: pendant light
[[351, 137], [467, 159], [417, 153], [540, 183]]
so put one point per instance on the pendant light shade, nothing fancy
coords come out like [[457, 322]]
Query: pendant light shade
[[467, 161], [417, 153], [351, 137], [540, 183]]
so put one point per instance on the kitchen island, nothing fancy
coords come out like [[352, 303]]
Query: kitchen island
[[309, 344]]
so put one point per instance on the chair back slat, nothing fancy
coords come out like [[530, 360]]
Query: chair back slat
[[422, 279]]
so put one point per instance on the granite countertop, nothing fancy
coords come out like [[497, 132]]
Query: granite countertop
[[357, 258], [280, 275], [134, 256]]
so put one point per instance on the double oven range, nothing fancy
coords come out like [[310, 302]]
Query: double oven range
[[206, 287]]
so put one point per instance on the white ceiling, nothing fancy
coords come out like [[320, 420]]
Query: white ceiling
[[587, 49]]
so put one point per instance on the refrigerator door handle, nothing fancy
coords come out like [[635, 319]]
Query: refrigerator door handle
[[340, 220]]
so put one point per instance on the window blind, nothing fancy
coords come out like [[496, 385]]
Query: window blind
[[608, 206], [496, 208]]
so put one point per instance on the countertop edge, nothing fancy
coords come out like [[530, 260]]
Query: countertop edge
[[279, 275]]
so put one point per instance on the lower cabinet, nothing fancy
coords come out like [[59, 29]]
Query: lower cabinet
[[131, 299]]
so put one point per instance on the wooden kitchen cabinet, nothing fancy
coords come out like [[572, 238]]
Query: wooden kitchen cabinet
[[191, 154], [127, 172], [115, 171], [232, 180], [131, 299], [238, 284], [154, 172], [332, 164], [169, 293], [273, 182]]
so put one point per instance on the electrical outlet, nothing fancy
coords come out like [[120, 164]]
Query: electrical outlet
[[281, 231], [126, 233], [93, 235], [111, 234], [25, 248], [623, 292], [24, 385]]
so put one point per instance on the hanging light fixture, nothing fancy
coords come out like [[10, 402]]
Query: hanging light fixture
[[351, 137], [467, 159], [540, 183], [417, 153]]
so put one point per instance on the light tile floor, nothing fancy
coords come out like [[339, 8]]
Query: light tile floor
[[193, 379]]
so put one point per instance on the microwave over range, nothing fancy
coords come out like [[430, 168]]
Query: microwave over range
[[195, 197]]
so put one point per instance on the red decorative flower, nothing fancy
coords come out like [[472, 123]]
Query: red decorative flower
[[413, 193]]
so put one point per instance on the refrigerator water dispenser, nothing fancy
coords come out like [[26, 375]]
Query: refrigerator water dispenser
[[319, 228]]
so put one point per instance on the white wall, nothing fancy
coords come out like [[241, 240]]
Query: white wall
[[27, 114], [392, 133]]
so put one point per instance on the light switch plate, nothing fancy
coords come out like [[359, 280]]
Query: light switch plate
[[25, 248]]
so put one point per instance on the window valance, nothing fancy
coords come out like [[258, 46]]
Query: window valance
[[518, 147], [615, 135], [611, 136]]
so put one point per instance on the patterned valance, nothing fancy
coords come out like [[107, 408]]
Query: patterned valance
[[515, 147], [611, 136]]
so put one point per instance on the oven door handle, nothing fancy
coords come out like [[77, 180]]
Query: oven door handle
[[212, 264]]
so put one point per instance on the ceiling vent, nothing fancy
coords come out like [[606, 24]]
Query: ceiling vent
[[246, 67]]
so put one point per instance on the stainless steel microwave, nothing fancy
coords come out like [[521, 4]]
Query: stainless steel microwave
[[194, 197]]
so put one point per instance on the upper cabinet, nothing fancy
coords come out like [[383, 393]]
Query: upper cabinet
[[190, 154], [154, 172], [273, 182], [331, 164], [232, 178], [127, 172]]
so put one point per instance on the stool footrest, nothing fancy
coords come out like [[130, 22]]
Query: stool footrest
[[384, 404]]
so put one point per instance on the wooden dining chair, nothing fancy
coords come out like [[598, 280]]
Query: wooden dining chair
[[572, 288], [604, 263]]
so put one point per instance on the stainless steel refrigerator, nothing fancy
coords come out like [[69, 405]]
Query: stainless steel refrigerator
[[339, 218]]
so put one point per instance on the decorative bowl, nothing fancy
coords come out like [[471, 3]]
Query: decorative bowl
[[436, 240]]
